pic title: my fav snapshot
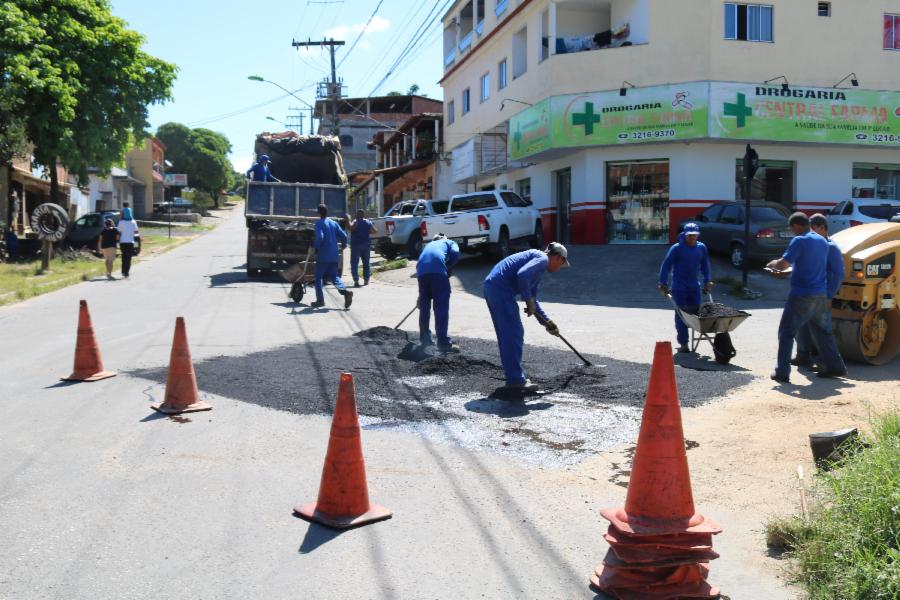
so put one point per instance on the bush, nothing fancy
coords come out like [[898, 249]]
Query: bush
[[849, 548]]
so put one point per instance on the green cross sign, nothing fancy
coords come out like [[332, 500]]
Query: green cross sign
[[739, 110], [587, 118]]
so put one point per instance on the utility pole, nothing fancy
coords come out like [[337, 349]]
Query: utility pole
[[312, 114], [294, 120], [333, 87]]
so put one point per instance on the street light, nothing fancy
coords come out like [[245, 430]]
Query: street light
[[503, 104], [258, 78]]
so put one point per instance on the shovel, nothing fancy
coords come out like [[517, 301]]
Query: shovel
[[408, 315]]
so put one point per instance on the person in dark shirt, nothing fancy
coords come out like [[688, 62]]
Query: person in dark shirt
[[106, 245], [361, 230]]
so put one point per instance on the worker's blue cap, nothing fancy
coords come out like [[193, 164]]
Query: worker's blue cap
[[264, 158], [691, 229]]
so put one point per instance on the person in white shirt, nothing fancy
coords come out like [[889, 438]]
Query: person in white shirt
[[128, 229]]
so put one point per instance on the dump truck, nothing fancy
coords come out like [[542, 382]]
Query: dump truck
[[281, 215], [865, 310]]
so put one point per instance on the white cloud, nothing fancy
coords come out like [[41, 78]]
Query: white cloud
[[349, 32]]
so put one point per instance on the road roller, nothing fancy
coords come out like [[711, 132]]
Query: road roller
[[865, 310]]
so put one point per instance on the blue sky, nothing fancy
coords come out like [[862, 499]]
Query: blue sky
[[218, 43]]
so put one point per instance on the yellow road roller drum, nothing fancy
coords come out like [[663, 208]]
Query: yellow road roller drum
[[865, 310]]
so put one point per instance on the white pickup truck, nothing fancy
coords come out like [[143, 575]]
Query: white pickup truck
[[399, 231], [487, 222]]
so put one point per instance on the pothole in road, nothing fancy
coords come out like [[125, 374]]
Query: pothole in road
[[402, 385]]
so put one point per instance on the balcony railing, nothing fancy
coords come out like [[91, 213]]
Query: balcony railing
[[501, 7], [466, 41], [450, 58], [479, 29]]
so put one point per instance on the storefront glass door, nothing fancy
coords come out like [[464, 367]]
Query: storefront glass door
[[564, 205], [637, 200]]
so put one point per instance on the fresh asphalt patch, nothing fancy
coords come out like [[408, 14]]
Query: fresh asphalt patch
[[402, 385]]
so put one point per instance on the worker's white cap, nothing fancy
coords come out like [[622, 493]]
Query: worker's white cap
[[557, 249]]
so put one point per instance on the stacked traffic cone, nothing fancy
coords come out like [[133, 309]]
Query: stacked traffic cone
[[88, 363], [659, 547], [182, 394], [343, 493]]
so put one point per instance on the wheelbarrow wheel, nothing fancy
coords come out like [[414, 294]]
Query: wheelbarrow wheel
[[297, 291], [723, 349]]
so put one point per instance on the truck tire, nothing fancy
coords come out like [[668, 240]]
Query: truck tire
[[389, 251], [537, 240], [414, 245], [501, 248], [252, 273]]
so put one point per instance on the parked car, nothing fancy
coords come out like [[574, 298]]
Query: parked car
[[489, 221], [722, 230], [399, 231], [858, 211], [85, 231], [175, 205]]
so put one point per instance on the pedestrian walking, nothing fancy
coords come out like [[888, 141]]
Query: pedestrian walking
[[520, 275], [128, 229], [807, 303], [685, 261], [325, 241], [106, 245], [433, 273], [361, 230], [260, 170], [834, 276]]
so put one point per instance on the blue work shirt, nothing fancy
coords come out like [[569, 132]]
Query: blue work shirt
[[260, 172], [520, 273], [328, 234], [437, 256], [362, 235], [684, 262], [835, 269], [808, 256]]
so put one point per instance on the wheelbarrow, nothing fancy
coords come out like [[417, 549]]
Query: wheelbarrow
[[300, 275], [711, 329]]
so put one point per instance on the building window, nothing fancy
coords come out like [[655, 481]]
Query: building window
[[346, 141], [523, 189], [500, 7], [520, 52], [637, 199], [824, 9], [880, 181], [485, 86], [544, 49], [502, 81], [892, 32], [748, 22], [451, 112], [466, 101], [773, 182]]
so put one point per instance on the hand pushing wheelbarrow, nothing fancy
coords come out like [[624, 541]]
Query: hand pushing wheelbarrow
[[712, 323]]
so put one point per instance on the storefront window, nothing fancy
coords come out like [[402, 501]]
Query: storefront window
[[876, 181], [638, 201], [774, 182]]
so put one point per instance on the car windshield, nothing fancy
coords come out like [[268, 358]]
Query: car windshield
[[767, 213], [881, 211], [407, 209]]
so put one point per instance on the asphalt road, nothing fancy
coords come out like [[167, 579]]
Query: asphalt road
[[102, 498]]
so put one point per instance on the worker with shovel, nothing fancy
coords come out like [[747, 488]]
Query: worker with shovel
[[325, 242], [433, 273], [520, 274], [685, 261]]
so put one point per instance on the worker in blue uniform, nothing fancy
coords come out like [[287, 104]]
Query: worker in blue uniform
[[433, 272], [361, 230], [807, 303], [685, 261], [834, 276], [260, 170], [520, 275], [325, 241]]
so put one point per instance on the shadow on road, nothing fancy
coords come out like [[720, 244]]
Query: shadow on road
[[316, 536], [505, 408]]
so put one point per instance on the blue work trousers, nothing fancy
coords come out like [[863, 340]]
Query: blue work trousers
[[327, 272], [687, 300], [360, 252], [814, 312], [510, 333], [434, 289]]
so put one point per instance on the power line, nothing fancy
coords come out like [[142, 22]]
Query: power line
[[363, 31], [241, 111], [410, 18]]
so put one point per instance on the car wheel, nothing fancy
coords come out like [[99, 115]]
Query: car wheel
[[537, 240], [502, 247], [737, 256], [414, 245]]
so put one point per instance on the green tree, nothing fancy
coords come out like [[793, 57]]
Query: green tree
[[202, 154], [413, 90], [82, 82]]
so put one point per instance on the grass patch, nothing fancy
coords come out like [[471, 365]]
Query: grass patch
[[22, 280], [733, 284], [390, 265], [849, 548], [153, 242]]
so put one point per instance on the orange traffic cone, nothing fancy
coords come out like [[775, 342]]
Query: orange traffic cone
[[88, 363], [182, 394], [660, 547], [343, 493]]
